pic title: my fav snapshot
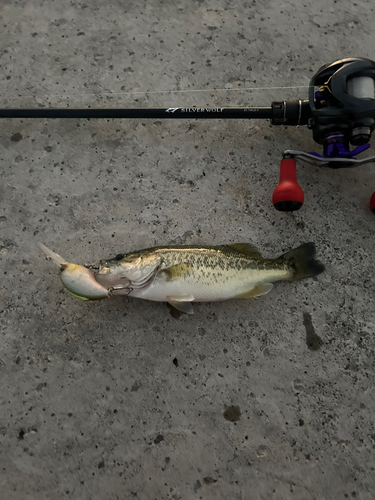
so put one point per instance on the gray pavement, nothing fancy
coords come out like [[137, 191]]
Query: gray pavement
[[269, 398]]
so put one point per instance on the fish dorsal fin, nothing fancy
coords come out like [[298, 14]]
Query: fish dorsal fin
[[244, 248], [261, 289]]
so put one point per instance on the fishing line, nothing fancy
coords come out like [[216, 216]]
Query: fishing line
[[146, 92]]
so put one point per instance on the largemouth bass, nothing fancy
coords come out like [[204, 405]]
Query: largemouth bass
[[180, 275]]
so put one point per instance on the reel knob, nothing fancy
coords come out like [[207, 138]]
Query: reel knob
[[288, 196], [372, 202]]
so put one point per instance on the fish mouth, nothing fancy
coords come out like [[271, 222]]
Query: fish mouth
[[92, 267]]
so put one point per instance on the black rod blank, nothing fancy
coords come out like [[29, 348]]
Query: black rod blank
[[153, 113]]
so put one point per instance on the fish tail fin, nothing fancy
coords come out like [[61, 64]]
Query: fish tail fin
[[302, 263]]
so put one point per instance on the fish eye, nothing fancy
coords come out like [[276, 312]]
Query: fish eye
[[120, 256]]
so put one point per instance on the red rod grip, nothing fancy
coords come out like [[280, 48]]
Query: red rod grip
[[288, 196], [372, 202]]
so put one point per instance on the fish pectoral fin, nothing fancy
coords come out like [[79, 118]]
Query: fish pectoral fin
[[181, 298], [261, 289], [177, 271], [181, 303], [245, 248]]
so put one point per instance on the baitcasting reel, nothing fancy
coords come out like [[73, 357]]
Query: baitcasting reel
[[340, 112]]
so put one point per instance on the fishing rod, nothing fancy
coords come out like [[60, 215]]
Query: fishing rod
[[340, 112]]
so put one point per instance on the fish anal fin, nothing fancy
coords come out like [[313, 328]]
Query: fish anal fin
[[245, 248], [177, 271], [261, 289]]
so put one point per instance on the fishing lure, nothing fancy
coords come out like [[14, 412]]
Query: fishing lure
[[78, 280]]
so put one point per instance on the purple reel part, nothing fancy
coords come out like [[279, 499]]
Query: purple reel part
[[335, 148]]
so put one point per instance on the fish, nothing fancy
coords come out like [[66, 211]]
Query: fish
[[78, 280], [181, 275]]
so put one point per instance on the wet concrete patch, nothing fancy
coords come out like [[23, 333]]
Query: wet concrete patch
[[232, 413], [16, 137], [263, 451], [209, 480], [313, 341], [159, 438]]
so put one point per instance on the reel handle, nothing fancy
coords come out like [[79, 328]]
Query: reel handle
[[372, 202], [288, 195]]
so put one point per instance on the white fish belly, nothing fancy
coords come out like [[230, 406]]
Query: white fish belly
[[226, 289]]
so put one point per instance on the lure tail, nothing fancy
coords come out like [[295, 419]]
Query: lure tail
[[52, 255]]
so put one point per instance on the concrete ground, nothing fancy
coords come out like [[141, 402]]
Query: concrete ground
[[269, 398]]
